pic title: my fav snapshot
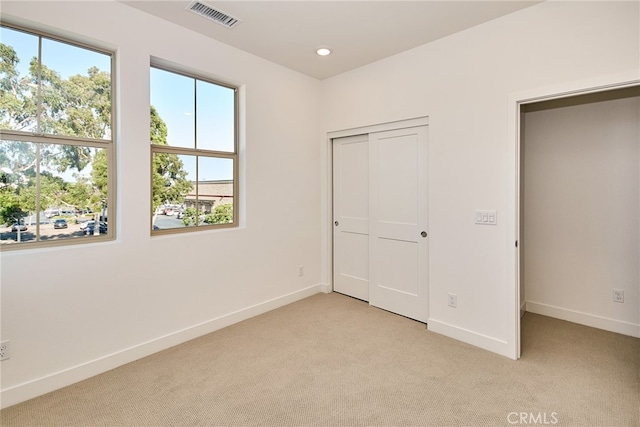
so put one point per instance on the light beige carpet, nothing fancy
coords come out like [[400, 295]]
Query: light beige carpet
[[331, 360]]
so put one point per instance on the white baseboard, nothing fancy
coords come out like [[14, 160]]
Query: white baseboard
[[39, 386], [485, 342], [523, 308], [613, 325]]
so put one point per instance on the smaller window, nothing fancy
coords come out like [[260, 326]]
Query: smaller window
[[193, 152]]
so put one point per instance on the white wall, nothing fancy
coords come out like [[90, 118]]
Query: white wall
[[582, 210], [66, 321], [150, 289], [464, 83]]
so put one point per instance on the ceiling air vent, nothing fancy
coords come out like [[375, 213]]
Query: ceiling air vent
[[213, 14]]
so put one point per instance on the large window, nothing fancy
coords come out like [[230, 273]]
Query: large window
[[56, 145], [194, 153]]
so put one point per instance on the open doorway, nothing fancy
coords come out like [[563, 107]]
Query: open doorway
[[579, 209]]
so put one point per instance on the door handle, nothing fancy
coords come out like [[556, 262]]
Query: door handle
[[423, 234], [336, 223]]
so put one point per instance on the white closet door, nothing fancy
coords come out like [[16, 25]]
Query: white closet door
[[398, 219], [351, 216]]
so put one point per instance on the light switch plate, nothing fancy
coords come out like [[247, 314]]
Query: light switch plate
[[484, 217]]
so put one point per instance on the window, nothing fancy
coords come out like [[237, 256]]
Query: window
[[56, 145], [194, 153]]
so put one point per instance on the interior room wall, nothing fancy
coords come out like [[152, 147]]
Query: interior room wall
[[156, 292], [74, 311], [463, 83], [582, 209]]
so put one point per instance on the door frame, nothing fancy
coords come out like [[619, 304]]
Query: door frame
[[327, 220], [516, 100]]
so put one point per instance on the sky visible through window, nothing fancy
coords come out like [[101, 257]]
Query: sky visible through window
[[171, 94], [182, 102], [57, 171], [66, 59]]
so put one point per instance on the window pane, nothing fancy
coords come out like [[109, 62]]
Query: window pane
[[215, 190], [17, 192], [76, 91], [173, 177], [173, 97], [56, 188], [215, 117], [198, 117], [17, 82], [73, 191]]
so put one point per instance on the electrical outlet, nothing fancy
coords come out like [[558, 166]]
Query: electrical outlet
[[5, 350], [618, 295], [300, 270], [453, 300]]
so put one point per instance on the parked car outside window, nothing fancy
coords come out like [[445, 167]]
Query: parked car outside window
[[15, 226], [91, 225], [60, 223]]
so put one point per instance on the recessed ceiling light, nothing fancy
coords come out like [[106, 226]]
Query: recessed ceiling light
[[323, 51]]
